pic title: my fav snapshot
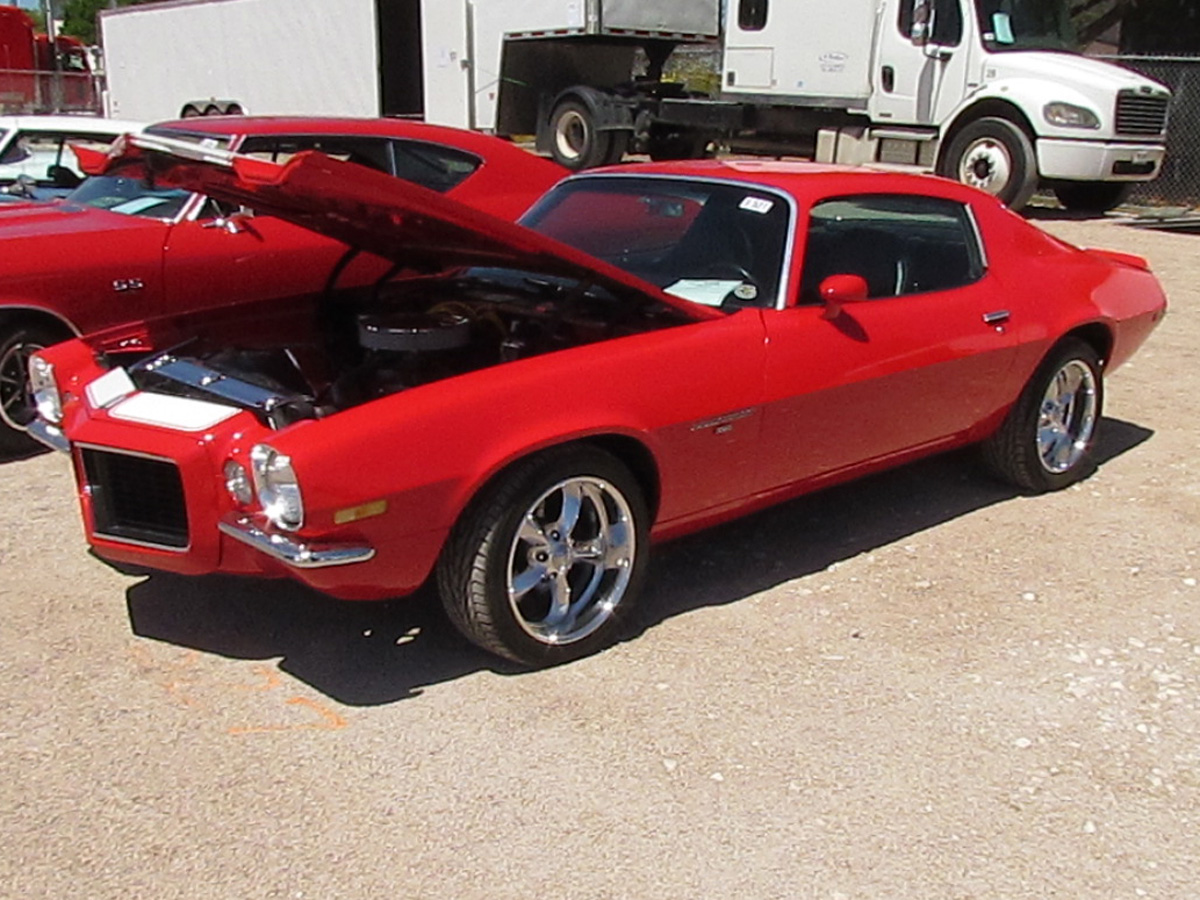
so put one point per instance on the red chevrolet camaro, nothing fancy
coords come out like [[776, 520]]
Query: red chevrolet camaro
[[522, 410], [119, 249]]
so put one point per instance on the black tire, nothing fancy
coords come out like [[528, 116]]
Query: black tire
[[212, 110], [191, 111], [16, 402], [1040, 447], [1091, 196], [505, 539], [995, 155], [575, 140]]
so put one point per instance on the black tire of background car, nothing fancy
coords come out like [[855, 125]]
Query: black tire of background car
[[573, 123], [1012, 452], [472, 571], [1091, 196], [16, 345], [1023, 175]]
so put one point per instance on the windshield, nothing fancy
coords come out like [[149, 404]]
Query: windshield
[[125, 191], [721, 245], [1026, 25]]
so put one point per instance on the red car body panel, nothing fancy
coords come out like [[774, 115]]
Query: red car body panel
[[720, 415], [67, 260]]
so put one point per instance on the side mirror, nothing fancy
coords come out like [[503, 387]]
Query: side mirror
[[838, 290]]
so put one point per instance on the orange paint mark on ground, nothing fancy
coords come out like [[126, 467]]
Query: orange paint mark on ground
[[329, 720]]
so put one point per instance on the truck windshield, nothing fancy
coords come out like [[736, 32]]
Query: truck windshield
[[125, 191], [1026, 25]]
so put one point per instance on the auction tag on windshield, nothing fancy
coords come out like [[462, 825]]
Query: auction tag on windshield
[[759, 205]]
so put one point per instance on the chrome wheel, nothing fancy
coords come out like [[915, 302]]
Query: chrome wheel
[[1067, 417], [16, 399], [987, 165], [571, 560], [572, 135]]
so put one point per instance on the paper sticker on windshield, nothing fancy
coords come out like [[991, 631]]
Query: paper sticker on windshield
[[707, 291], [757, 204], [1003, 27]]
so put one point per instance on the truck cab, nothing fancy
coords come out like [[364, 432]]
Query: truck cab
[[992, 93]]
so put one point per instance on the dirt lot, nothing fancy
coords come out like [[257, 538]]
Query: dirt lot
[[917, 686]]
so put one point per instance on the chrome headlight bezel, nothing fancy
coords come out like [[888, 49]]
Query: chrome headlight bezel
[[277, 487], [1070, 115], [43, 387]]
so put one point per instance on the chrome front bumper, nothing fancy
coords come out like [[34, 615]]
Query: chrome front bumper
[[49, 435], [294, 553]]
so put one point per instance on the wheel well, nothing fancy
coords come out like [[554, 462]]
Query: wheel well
[[984, 109], [1098, 336], [634, 454], [630, 451], [11, 319]]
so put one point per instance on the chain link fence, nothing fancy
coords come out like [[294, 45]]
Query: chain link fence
[[1179, 182]]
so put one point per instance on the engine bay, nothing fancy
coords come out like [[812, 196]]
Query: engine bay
[[354, 348]]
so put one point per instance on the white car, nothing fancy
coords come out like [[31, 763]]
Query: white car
[[37, 147]]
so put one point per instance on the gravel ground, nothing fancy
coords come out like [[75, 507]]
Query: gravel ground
[[916, 686]]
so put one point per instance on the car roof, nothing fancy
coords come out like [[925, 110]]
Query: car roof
[[805, 181], [345, 125], [72, 123]]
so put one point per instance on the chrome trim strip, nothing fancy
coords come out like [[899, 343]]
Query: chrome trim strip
[[298, 554], [49, 435]]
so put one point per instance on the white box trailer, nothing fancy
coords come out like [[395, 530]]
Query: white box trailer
[[311, 57]]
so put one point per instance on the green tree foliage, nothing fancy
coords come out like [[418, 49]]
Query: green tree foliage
[[79, 16]]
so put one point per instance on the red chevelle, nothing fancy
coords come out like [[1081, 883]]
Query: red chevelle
[[521, 411], [118, 249]]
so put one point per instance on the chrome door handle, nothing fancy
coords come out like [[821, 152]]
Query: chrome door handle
[[998, 317]]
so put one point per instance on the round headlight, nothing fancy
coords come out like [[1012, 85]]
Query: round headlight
[[277, 488], [237, 482], [44, 390], [1068, 115]]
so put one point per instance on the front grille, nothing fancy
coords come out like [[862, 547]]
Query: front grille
[[136, 499], [1141, 114]]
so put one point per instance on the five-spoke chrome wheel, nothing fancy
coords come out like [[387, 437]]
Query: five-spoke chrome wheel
[[547, 561], [569, 564], [1068, 417], [1045, 442]]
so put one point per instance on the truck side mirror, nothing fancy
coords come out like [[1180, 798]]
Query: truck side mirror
[[838, 290]]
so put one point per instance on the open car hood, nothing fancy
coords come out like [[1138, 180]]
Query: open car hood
[[414, 227]]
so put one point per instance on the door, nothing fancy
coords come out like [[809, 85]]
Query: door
[[924, 358], [923, 62]]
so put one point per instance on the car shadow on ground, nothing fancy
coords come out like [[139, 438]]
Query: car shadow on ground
[[365, 654]]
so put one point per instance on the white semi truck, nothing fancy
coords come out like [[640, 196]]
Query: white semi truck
[[989, 92]]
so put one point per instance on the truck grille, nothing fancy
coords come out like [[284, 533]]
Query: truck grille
[[1141, 114], [135, 498]]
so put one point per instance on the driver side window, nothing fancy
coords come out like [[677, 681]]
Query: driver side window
[[899, 244]]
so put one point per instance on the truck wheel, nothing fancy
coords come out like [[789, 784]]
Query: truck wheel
[[1091, 196], [547, 562], [576, 142], [1046, 441], [995, 155], [17, 409]]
